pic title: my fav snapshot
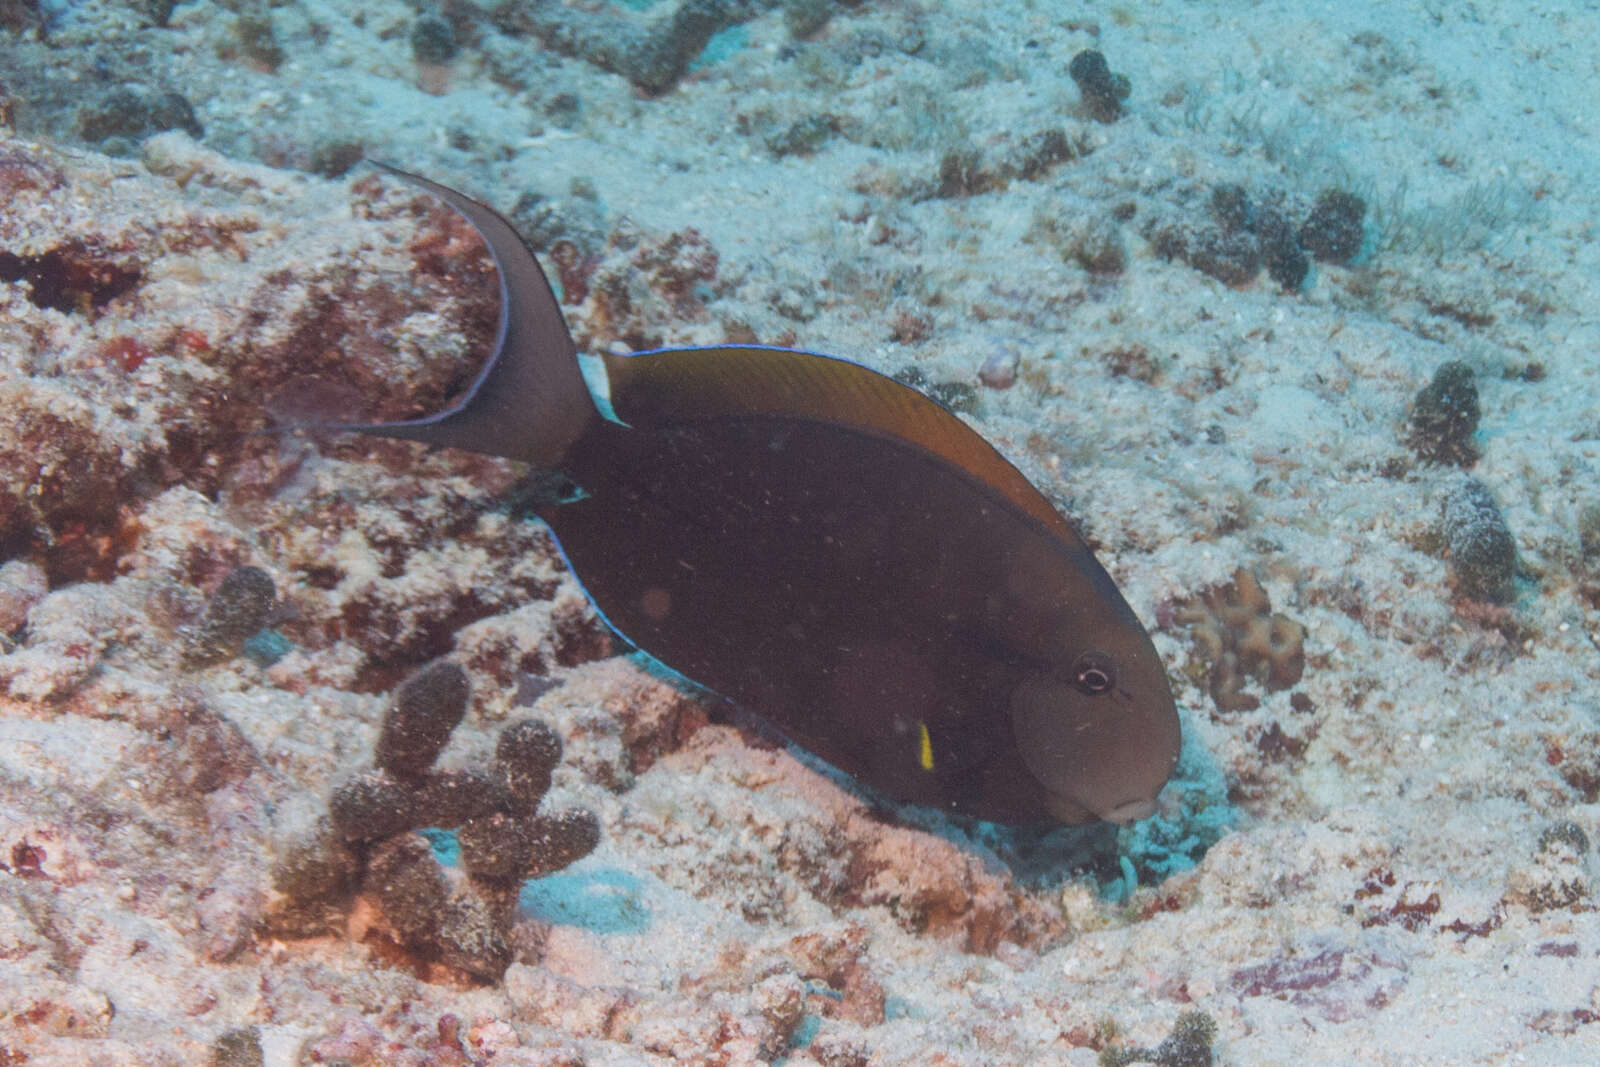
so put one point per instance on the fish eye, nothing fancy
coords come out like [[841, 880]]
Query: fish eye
[[1094, 673]]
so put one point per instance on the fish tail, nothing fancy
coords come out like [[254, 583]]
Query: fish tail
[[530, 401]]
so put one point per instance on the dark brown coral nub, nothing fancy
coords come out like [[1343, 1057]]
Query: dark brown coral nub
[[371, 806], [513, 847], [450, 798], [241, 605], [527, 753], [428, 705]]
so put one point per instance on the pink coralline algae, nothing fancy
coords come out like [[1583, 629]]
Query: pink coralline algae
[[1337, 982]]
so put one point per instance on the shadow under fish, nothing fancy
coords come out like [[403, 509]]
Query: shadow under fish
[[829, 549]]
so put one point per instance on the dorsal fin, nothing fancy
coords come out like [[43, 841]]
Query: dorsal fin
[[529, 402], [650, 388]]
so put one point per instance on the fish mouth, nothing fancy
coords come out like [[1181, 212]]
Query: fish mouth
[[1130, 811]]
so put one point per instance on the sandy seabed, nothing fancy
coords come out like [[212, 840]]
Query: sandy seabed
[[1391, 860]]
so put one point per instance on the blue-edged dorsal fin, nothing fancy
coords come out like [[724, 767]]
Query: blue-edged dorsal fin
[[529, 402]]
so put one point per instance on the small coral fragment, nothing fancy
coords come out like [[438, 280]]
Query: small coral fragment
[[803, 137], [1233, 259], [434, 46], [1231, 207], [1286, 262], [1333, 232], [967, 170], [1103, 92], [1189, 1045], [1236, 630], [1483, 557], [1444, 416], [433, 39], [257, 42], [238, 1048], [239, 608], [1565, 834], [652, 51], [1097, 247], [1242, 235]]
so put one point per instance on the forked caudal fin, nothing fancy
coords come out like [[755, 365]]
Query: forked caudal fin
[[529, 402]]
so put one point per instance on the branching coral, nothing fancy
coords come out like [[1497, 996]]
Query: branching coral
[[459, 919], [1237, 632]]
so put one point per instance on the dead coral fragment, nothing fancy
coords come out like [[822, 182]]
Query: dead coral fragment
[[1444, 416], [22, 585], [966, 170], [238, 609], [1555, 879], [1334, 981], [123, 115], [1236, 630], [1188, 1046]]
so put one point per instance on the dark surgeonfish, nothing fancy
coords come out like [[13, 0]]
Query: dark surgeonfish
[[831, 550]]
